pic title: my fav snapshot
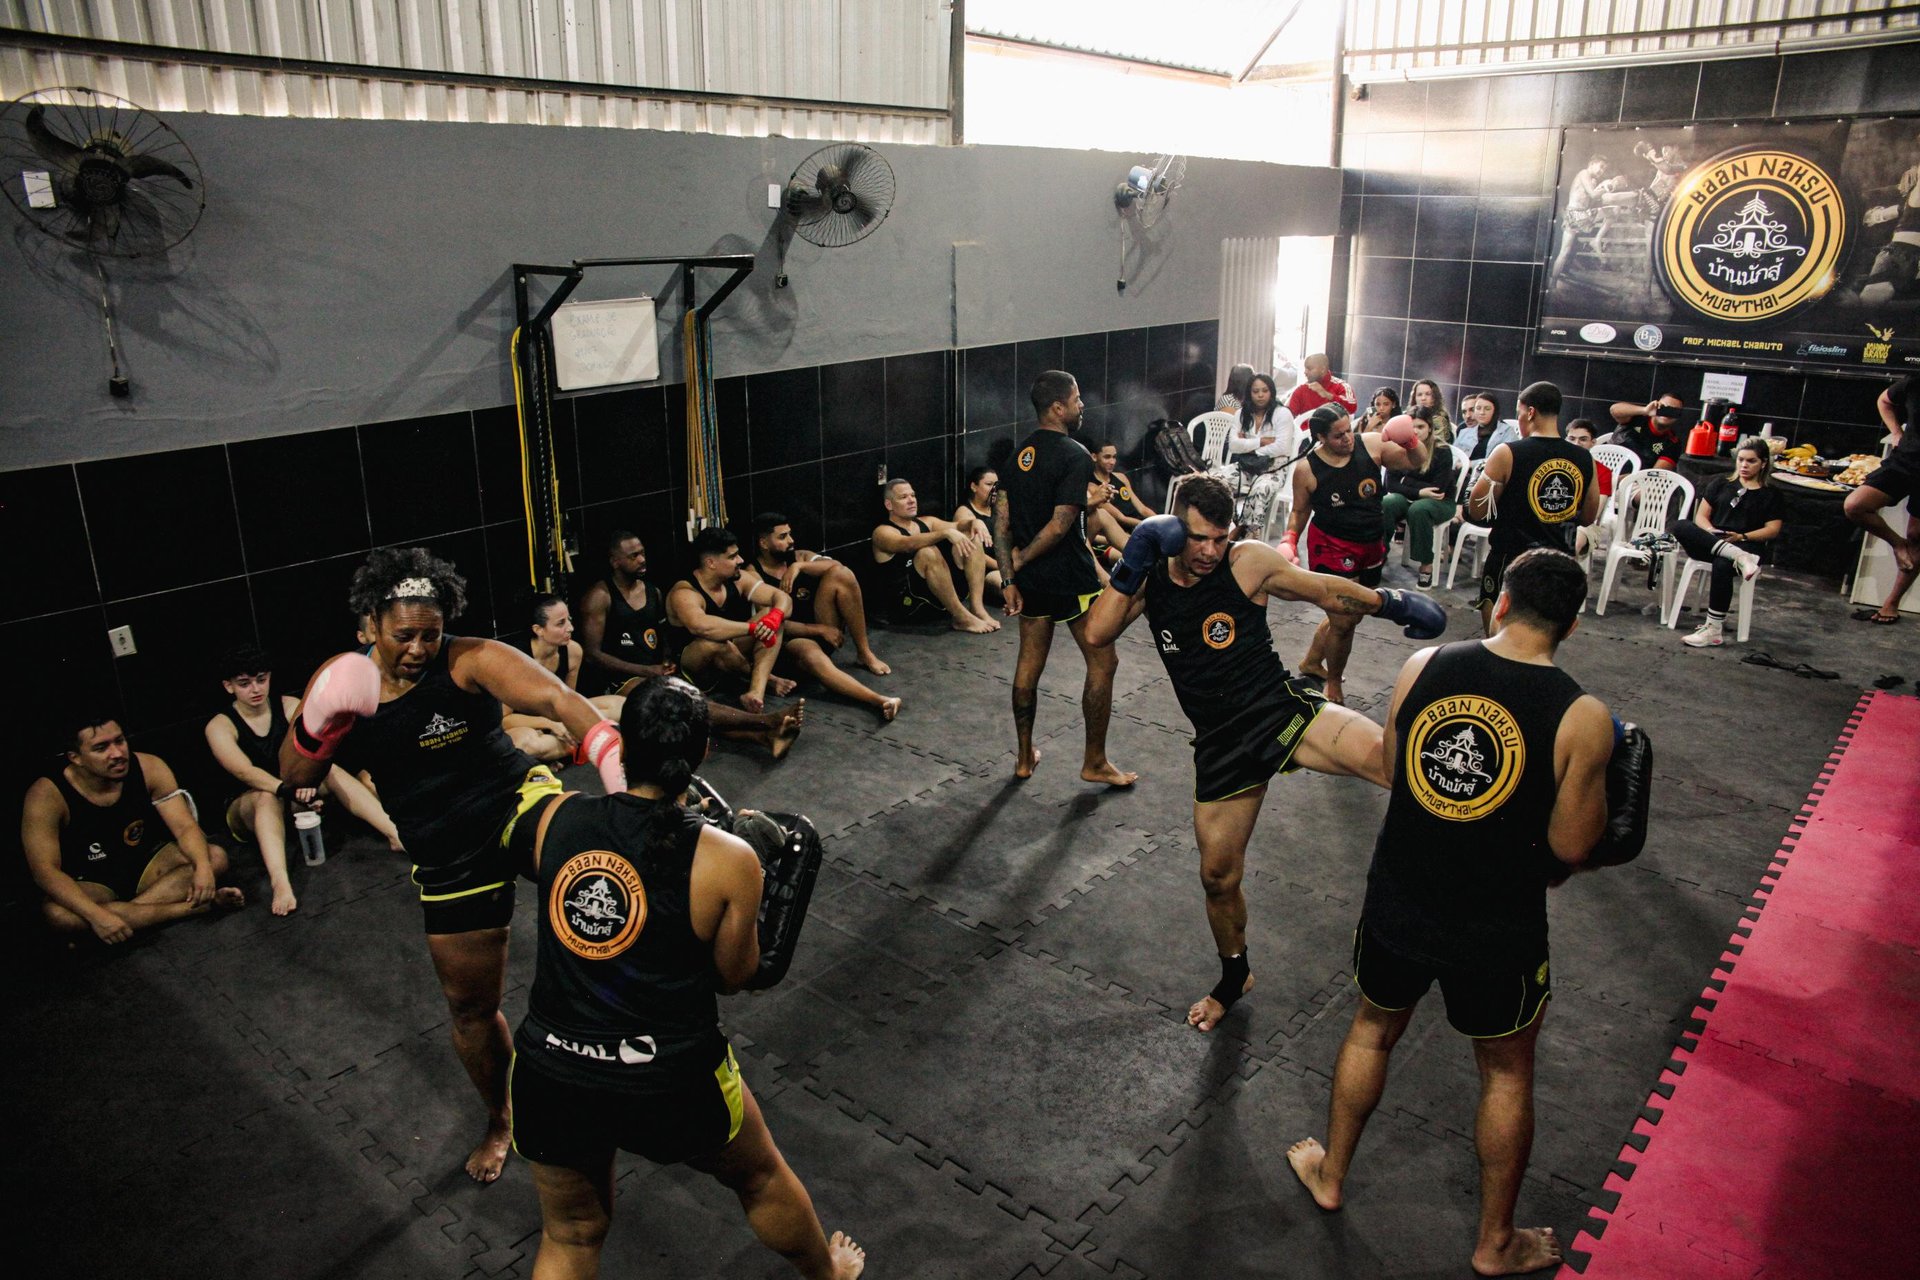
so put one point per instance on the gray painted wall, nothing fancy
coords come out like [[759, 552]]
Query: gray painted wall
[[351, 272]]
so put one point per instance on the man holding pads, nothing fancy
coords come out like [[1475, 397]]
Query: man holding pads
[[1206, 604], [1502, 772]]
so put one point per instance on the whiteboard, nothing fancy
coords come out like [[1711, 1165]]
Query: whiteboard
[[599, 344]]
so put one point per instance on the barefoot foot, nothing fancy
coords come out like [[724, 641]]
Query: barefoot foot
[[228, 898], [1529, 1249], [888, 708], [1206, 1012], [752, 702], [849, 1259], [490, 1157], [283, 900], [871, 661], [782, 686], [964, 621], [1023, 766], [786, 730], [1306, 1157], [1108, 772]]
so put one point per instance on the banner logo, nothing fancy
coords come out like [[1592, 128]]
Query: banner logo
[[1750, 237]]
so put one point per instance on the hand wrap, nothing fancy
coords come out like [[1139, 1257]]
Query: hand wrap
[[601, 749], [767, 626]]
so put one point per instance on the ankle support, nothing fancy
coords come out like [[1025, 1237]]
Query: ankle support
[[1233, 980]]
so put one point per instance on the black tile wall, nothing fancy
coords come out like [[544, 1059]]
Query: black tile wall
[[199, 550], [1416, 257]]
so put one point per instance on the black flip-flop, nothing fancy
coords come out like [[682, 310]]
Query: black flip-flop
[[1873, 616]]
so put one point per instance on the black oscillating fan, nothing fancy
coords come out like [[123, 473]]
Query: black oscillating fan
[[839, 194]]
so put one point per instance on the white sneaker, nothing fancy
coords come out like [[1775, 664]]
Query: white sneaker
[[1747, 562], [1709, 634]]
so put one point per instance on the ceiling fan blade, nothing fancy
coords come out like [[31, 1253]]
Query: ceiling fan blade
[[50, 146], [148, 167]]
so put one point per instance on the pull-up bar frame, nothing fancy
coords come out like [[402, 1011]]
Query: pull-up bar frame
[[738, 266]]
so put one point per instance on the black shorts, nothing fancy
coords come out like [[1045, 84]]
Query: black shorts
[[577, 1126], [480, 895], [125, 874], [1485, 1004], [908, 599], [1896, 476], [1056, 606], [1248, 749]]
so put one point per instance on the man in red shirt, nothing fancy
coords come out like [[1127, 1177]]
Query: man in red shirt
[[1320, 387]]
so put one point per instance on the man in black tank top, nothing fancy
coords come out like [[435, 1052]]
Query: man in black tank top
[[720, 624], [1539, 490], [422, 713], [1498, 767], [925, 566], [1206, 605], [646, 913], [624, 639], [828, 604], [245, 737], [1338, 488], [111, 842]]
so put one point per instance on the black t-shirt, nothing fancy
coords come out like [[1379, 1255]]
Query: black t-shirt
[[1741, 510], [1440, 474], [1648, 438], [1541, 500], [1050, 469], [1905, 395], [1458, 875], [1215, 642], [635, 635]]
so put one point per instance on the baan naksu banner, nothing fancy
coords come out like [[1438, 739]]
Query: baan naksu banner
[[1771, 245]]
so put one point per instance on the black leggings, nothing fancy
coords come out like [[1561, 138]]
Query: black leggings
[[1699, 544]]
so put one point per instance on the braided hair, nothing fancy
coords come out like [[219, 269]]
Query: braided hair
[[664, 734], [393, 575]]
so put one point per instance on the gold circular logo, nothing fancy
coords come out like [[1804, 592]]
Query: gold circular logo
[[1368, 487], [1555, 491], [1217, 630], [135, 830], [1464, 757], [650, 638], [1126, 494], [1750, 237], [1025, 460], [597, 905]]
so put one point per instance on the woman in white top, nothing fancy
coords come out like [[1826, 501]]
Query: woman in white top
[[1261, 443]]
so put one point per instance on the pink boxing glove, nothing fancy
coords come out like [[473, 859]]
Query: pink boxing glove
[[601, 749], [1289, 547], [346, 689], [1400, 430]]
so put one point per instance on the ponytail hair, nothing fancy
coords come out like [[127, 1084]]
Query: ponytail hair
[[664, 734]]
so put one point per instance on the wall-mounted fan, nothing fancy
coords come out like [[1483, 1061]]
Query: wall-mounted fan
[[1141, 199], [838, 195], [100, 174]]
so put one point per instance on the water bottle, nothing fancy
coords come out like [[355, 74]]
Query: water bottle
[[313, 845]]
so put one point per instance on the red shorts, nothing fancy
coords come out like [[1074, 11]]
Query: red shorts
[[1328, 554]]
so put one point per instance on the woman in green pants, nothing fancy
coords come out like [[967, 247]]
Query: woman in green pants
[[1424, 499]]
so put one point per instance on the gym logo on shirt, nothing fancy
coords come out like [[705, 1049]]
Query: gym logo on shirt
[[1368, 487], [442, 731], [1554, 491], [1464, 757], [1217, 630], [1025, 461], [136, 829], [597, 905]]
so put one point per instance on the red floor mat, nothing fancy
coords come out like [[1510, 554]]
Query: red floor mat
[[1791, 1141]]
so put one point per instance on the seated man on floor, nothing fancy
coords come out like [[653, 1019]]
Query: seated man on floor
[[244, 737], [923, 561], [719, 624], [110, 839], [624, 639], [801, 653], [828, 605]]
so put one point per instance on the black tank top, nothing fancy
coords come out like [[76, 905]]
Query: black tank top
[[447, 772], [733, 606], [1215, 642], [1457, 871], [1540, 504], [1122, 500], [261, 752], [634, 635], [1346, 500], [894, 573], [564, 654], [99, 837], [624, 995]]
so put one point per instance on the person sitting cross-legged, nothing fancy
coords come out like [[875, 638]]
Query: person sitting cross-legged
[[924, 563]]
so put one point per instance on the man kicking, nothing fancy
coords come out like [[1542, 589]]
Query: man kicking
[[1206, 604], [1498, 767], [828, 605]]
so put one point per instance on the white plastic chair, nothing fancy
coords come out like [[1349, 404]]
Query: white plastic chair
[[1743, 588], [1469, 531], [1618, 459], [1654, 490], [1219, 423]]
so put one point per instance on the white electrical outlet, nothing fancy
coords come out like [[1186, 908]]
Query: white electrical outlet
[[773, 195], [121, 638]]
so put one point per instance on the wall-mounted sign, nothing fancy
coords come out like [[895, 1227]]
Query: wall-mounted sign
[[603, 344]]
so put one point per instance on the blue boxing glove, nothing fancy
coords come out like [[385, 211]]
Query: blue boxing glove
[[1422, 619], [1151, 541]]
